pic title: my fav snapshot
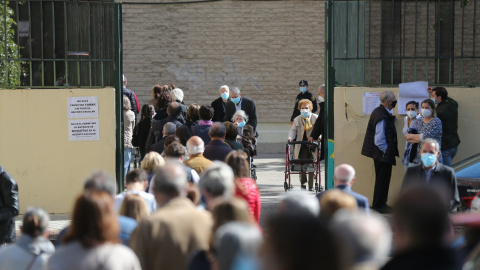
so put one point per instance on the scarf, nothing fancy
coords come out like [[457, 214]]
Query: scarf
[[205, 123], [307, 125]]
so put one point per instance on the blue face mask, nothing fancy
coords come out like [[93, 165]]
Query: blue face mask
[[235, 100], [428, 159], [303, 89], [305, 114], [224, 95], [241, 124]]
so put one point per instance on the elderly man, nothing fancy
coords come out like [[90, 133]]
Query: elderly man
[[296, 202], [216, 149], [344, 178], [177, 95], [168, 129], [433, 173], [174, 110], [381, 145], [218, 104], [176, 152], [136, 182], [447, 111], [9, 207], [167, 238], [237, 102], [197, 161], [216, 183], [319, 123]]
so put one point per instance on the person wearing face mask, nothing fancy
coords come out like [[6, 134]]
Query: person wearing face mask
[[381, 145], [304, 94], [218, 104], [246, 134], [431, 172], [447, 111], [301, 130], [319, 124], [427, 126], [410, 148], [238, 102]]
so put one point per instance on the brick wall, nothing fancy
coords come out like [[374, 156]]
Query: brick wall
[[264, 47]]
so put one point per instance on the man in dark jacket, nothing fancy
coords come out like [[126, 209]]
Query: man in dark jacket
[[381, 145], [433, 174], [131, 96], [218, 104], [319, 123], [217, 149], [447, 111], [9, 207], [304, 94], [237, 102], [174, 110]]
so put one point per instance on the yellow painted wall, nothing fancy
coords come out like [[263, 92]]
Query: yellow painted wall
[[351, 124], [35, 147]]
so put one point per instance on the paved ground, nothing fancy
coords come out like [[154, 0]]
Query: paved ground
[[270, 178]]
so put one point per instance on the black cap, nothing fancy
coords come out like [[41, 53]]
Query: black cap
[[303, 83]]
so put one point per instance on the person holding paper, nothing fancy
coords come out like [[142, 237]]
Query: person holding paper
[[381, 145], [410, 148], [427, 126]]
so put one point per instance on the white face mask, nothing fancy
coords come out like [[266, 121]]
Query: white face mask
[[321, 99], [426, 112], [412, 114]]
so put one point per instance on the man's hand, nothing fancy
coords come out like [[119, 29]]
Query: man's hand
[[430, 89], [291, 123], [310, 139]]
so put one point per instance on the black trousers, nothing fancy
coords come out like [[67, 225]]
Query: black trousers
[[383, 173]]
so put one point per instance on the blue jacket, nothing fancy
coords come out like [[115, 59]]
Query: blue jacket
[[362, 201], [216, 150]]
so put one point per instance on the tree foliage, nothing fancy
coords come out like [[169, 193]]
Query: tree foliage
[[10, 70]]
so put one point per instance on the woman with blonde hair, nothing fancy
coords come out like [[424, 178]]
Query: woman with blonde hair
[[128, 124], [133, 206], [150, 163], [245, 187], [301, 129]]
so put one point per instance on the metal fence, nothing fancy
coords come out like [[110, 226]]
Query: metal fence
[[393, 41], [57, 44]]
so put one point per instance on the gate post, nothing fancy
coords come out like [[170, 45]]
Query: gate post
[[118, 83], [330, 84]]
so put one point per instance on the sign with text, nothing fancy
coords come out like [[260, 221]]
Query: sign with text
[[371, 100], [82, 107], [83, 130]]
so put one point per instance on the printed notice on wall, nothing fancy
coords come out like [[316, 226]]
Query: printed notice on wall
[[83, 107], [83, 130], [371, 100]]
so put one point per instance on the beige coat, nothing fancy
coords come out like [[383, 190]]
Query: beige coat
[[128, 124], [167, 238], [296, 131]]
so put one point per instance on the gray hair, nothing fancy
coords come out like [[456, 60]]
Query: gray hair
[[344, 173], [169, 129], [170, 179], [224, 87], [217, 180], [322, 88], [100, 181], [368, 236], [217, 130], [126, 104], [235, 239], [386, 96], [235, 90], [433, 141], [242, 114], [35, 221], [300, 202], [177, 94], [195, 149]]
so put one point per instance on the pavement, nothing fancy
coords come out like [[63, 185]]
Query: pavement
[[270, 178]]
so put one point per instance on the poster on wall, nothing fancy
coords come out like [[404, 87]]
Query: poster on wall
[[83, 130], [371, 100], [412, 91], [82, 107]]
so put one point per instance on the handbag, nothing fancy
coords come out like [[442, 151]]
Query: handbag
[[135, 141]]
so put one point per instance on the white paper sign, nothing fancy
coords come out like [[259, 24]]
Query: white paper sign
[[371, 100], [83, 130], [412, 91], [83, 107]]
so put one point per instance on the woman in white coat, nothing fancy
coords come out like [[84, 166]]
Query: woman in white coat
[[300, 131]]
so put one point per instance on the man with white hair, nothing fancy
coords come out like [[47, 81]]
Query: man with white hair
[[177, 95], [167, 238], [344, 178], [197, 161], [381, 145], [237, 102], [218, 104], [300, 202], [368, 238], [216, 183]]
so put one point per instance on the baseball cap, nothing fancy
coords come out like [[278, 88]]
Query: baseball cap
[[302, 83]]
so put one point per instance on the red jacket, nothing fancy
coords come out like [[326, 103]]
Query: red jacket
[[250, 194]]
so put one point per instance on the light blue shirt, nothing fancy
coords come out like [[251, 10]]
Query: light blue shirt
[[380, 140], [428, 174], [239, 105]]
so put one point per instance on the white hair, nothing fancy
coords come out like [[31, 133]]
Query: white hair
[[235, 90], [195, 149], [242, 114], [344, 173], [217, 180], [300, 202], [177, 94], [386, 96], [322, 88], [433, 141], [224, 87]]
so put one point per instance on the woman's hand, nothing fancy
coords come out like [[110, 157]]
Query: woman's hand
[[235, 124], [413, 138]]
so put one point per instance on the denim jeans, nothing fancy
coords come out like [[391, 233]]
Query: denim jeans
[[127, 156], [448, 155]]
